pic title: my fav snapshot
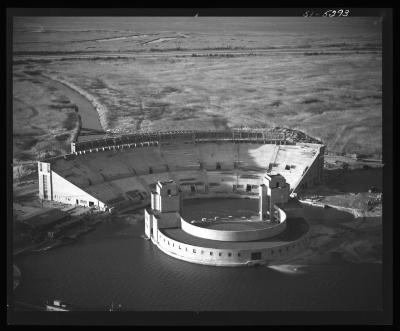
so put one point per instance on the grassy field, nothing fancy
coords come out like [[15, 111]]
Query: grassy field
[[135, 34], [43, 118], [330, 97], [334, 97]]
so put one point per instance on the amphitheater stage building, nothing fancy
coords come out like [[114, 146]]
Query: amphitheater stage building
[[268, 238], [118, 173]]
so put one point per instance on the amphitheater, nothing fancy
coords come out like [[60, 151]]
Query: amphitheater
[[125, 172]]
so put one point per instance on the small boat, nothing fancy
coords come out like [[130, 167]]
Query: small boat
[[57, 305]]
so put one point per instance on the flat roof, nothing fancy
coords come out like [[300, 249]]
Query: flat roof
[[271, 174], [296, 227]]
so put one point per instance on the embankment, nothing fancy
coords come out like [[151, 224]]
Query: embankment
[[88, 121]]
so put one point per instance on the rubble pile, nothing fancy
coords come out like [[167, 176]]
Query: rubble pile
[[296, 136]]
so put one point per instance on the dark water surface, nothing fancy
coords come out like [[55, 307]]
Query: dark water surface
[[114, 264]]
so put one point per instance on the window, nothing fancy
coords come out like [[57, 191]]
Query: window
[[220, 254], [48, 167], [194, 251], [169, 192], [248, 188], [218, 166], [256, 256], [211, 253], [179, 246], [229, 254], [150, 170], [239, 254], [45, 192], [277, 184], [40, 167], [91, 203], [186, 249]]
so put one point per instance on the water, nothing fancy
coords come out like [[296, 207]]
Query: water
[[113, 264], [89, 116]]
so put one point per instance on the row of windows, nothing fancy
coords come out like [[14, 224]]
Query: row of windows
[[61, 197], [45, 190], [91, 203], [194, 250], [238, 254]]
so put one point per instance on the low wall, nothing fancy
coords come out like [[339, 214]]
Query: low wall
[[226, 235], [228, 257]]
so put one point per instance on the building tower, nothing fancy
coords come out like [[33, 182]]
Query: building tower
[[274, 190], [166, 205], [45, 181]]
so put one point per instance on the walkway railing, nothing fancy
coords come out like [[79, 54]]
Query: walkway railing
[[169, 137]]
